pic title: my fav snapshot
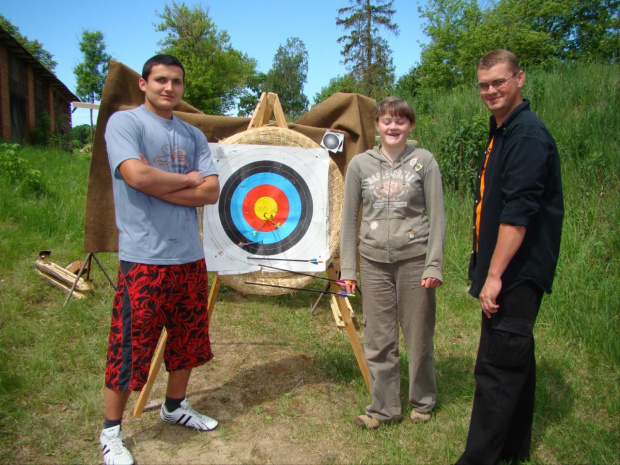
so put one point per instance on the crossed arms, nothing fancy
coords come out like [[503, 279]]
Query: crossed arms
[[188, 190]]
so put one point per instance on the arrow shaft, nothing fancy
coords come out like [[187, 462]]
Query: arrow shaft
[[243, 244], [312, 260], [263, 225], [337, 281], [339, 294]]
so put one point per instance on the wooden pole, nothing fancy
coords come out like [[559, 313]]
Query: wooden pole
[[215, 289], [268, 103], [158, 357], [349, 327]]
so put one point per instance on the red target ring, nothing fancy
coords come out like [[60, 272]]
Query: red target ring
[[265, 207]]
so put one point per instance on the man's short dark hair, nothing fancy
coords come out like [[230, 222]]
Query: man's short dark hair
[[168, 60], [495, 57]]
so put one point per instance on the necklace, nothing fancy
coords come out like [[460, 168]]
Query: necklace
[[385, 156]]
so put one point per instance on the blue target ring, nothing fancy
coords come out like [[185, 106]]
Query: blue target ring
[[265, 173], [238, 216]]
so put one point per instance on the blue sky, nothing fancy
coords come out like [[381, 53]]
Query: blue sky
[[255, 27]]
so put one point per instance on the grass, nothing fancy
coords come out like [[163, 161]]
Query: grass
[[285, 382]]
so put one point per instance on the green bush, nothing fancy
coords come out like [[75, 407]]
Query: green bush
[[41, 132], [81, 134], [460, 153], [17, 170]]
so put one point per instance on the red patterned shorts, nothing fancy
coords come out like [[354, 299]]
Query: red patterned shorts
[[149, 298]]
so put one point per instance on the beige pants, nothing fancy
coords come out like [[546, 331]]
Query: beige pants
[[392, 294]]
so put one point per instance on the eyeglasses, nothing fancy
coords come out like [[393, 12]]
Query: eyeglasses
[[497, 84]]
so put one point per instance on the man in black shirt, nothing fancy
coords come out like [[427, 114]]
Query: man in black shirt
[[518, 213]]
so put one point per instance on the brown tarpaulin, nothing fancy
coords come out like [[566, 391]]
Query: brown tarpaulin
[[351, 114]]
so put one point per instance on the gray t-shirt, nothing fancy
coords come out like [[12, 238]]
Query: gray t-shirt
[[153, 231]]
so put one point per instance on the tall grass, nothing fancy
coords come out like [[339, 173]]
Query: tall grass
[[47, 216], [52, 357]]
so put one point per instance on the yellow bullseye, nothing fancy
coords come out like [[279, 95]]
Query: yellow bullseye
[[265, 208]]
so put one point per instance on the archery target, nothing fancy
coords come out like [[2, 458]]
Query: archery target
[[265, 207], [273, 205]]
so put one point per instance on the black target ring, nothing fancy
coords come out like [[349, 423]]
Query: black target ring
[[284, 178]]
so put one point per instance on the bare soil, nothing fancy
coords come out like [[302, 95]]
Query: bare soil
[[273, 407]]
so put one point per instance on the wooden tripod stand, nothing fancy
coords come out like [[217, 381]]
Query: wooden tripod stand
[[86, 266]]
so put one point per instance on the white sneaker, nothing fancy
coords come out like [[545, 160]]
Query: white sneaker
[[185, 415], [114, 450]]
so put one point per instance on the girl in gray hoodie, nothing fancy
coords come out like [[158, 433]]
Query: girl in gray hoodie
[[401, 242]]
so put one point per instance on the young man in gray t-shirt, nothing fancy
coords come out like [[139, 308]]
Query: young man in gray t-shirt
[[161, 171]]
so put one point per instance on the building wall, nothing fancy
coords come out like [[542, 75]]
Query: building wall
[[31, 117], [54, 103], [5, 109], [62, 113]]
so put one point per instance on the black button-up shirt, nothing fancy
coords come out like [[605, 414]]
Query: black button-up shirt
[[523, 187]]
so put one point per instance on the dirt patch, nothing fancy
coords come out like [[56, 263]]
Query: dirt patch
[[273, 407]]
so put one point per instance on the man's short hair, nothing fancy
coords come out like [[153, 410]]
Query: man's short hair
[[395, 106], [495, 57], [168, 60]]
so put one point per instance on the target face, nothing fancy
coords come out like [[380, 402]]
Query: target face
[[266, 206], [273, 205]]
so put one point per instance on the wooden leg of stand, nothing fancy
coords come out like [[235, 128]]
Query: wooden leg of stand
[[351, 332], [215, 289], [104, 271], [87, 263], [155, 366], [318, 300], [158, 356]]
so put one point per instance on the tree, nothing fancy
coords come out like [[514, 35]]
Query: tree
[[90, 74], [287, 76], [580, 29], [33, 46], [539, 32], [81, 134], [366, 54], [457, 41], [408, 85], [251, 94], [344, 83], [215, 73]]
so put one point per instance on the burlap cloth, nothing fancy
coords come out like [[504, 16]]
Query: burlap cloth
[[350, 114]]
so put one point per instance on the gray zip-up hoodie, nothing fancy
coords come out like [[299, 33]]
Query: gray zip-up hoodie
[[402, 211]]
